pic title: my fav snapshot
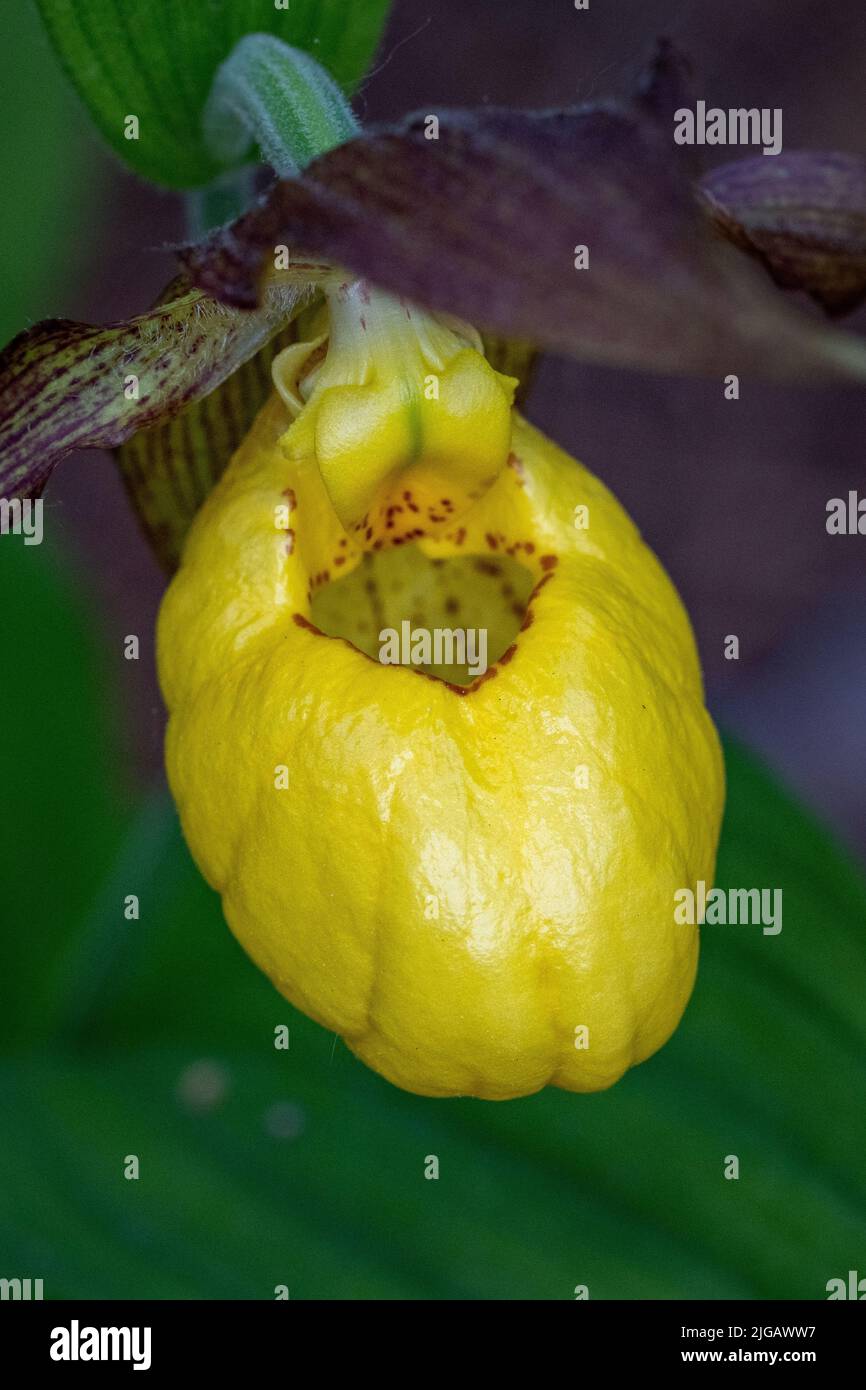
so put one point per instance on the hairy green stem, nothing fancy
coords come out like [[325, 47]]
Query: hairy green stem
[[278, 98]]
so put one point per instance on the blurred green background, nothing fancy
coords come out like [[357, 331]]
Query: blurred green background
[[260, 1167]]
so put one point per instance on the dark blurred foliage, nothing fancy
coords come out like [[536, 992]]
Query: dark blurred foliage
[[732, 496]]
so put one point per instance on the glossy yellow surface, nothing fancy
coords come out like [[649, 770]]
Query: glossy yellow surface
[[472, 884]]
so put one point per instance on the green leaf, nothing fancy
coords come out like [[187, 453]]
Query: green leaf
[[48, 179], [156, 60], [171, 1057]]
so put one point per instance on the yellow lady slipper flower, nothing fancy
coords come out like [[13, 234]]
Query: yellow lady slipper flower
[[470, 878]]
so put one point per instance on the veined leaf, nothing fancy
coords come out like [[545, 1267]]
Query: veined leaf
[[50, 183], [155, 61]]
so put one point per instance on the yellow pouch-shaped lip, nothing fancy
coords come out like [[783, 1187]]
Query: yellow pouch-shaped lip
[[549, 808]]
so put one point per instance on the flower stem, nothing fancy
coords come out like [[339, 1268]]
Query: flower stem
[[221, 201], [279, 98]]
